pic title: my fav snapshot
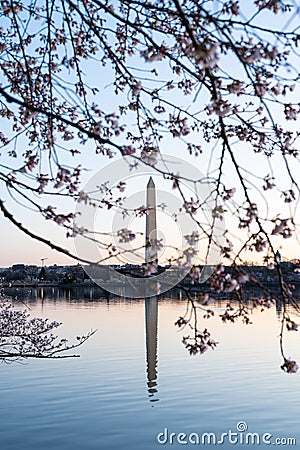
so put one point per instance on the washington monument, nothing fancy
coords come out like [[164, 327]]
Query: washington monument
[[151, 230], [151, 305]]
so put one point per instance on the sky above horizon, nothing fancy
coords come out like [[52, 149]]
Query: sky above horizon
[[16, 247]]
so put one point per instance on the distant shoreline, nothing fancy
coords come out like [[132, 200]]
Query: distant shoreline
[[193, 287]]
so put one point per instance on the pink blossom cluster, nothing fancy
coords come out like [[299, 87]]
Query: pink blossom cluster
[[199, 343], [282, 228], [125, 235], [221, 281], [290, 366]]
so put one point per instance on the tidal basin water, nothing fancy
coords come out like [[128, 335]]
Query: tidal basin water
[[135, 379]]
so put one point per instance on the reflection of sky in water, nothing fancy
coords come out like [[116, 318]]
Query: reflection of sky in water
[[123, 390]]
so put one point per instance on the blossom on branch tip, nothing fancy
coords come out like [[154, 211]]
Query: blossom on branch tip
[[290, 366]]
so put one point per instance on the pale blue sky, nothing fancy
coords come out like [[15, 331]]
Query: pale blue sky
[[15, 247]]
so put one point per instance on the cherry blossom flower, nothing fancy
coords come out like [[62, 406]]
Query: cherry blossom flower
[[128, 150], [290, 366], [125, 235], [192, 239]]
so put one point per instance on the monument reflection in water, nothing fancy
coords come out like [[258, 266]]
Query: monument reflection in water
[[151, 322]]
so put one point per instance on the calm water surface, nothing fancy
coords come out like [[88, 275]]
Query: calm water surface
[[134, 379]]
